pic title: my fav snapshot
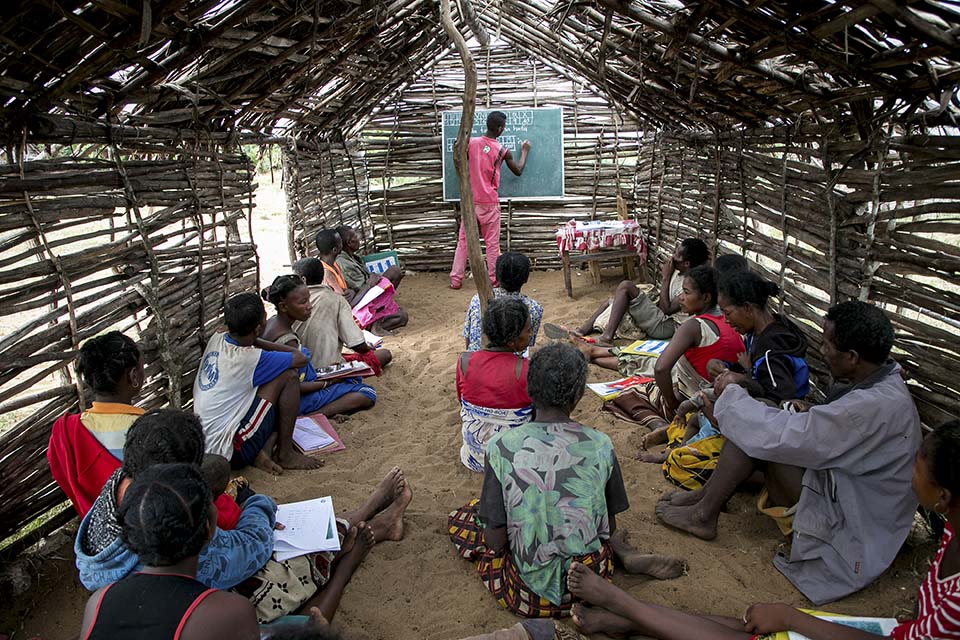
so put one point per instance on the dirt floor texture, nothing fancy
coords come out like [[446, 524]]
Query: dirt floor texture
[[419, 588]]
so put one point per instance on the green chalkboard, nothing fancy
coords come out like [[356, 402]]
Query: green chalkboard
[[542, 177]]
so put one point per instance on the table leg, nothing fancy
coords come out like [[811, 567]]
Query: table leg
[[594, 270], [566, 273]]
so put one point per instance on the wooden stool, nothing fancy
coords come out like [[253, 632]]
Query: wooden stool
[[593, 258]]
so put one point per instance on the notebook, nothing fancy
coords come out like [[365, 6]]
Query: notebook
[[646, 347], [314, 434], [308, 526], [610, 390], [351, 369]]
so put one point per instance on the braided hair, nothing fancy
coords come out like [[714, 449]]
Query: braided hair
[[513, 270], [165, 514], [105, 359], [281, 287], [504, 320], [162, 436], [556, 376]]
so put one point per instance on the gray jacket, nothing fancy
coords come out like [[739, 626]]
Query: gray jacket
[[856, 505]]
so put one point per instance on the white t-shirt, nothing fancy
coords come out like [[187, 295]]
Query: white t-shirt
[[223, 391]]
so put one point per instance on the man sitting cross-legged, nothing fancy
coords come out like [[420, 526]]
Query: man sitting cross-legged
[[247, 392], [837, 477]]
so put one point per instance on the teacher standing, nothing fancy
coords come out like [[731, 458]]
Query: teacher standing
[[485, 155]]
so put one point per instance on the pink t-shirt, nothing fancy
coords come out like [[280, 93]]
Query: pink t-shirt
[[485, 156]]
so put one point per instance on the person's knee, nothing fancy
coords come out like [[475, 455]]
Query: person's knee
[[627, 288], [384, 356]]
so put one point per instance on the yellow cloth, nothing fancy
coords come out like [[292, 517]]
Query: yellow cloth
[[783, 516], [109, 422]]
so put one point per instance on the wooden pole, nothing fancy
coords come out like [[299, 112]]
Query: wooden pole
[[468, 215]]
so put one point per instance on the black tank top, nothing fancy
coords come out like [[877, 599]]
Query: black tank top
[[146, 606]]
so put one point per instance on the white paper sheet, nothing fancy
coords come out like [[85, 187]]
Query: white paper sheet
[[369, 296], [308, 435], [879, 626], [309, 526]]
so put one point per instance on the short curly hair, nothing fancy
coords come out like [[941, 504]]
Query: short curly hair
[[695, 251], [862, 327], [243, 312], [556, 376], [162, 436], [513, 270], [326, 240], [503, 321], [311, 269], [941, 450], [104, 360], [165, 514]]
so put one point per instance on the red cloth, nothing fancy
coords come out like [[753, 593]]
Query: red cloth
[[727, 347], [939, 603], [228, 512], [484, 155], [367, 357], [78, 462], [491, 380]]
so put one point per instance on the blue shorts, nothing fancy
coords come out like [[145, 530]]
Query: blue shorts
[[316, 400], [255, 429]]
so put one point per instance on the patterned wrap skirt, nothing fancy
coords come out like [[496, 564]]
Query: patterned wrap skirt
[[500, 575]]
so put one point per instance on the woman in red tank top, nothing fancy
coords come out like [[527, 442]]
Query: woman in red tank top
[[706, 335]]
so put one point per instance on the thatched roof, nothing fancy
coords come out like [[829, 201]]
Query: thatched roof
[[323, 66]]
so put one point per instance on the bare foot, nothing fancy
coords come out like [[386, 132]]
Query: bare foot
[[604, 341], [340, 418], [296, 460], [317, 620], [387, 491], [681, 498], [388, 524], [591, 620], [653, 457], [686, 518], [266, 463], [653, 565]]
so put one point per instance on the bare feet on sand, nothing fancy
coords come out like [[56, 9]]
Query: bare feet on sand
[[682, 498], [296, 460], [387, 491], [650, 564], [687, 518], [591, 620], [266, 463], [388, 524], [653, 457]]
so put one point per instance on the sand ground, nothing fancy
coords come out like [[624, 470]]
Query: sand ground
[[419, 588]]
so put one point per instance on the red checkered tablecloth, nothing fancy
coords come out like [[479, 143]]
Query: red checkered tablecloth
[[589, 236]]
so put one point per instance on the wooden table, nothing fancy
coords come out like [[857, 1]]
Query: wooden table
[[593, 258], [592, 242]]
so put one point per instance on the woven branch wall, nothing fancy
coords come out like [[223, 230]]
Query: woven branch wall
[[888, 232], [147, 244], [391, 178]]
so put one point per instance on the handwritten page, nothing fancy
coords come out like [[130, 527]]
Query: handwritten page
[[308, 435], [309, 526]]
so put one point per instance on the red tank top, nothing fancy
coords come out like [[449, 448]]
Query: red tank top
[[727, 347]]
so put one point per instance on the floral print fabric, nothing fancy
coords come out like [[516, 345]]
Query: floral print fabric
[[553, 486]]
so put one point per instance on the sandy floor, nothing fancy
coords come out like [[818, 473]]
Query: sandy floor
[[419, 588]]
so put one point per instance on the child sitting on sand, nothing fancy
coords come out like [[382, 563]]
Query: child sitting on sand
[[228, 494], [330, 325], [86, 448], [551, 491], [492, 383], [167, 518], [247, 392], [291, 297], [513, 271], [936, 482]]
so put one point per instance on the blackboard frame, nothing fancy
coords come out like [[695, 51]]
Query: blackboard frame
[[447, 162]]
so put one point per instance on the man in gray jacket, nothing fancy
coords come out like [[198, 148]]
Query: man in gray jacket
[[841, 470]]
